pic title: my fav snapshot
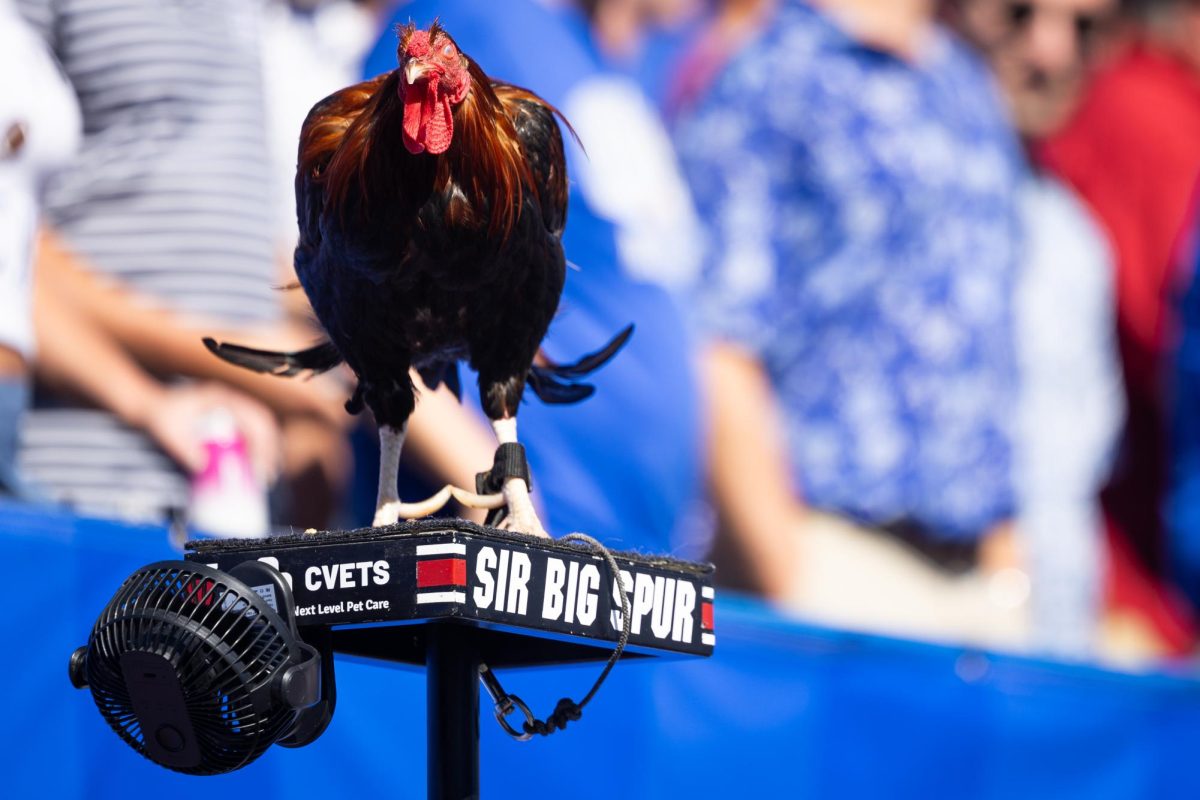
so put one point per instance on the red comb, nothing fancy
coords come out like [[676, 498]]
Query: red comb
[[418, 44]]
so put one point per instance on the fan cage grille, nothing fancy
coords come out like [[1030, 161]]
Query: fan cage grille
[[225, 645]]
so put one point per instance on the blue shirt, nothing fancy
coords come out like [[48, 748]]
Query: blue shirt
[[865, 238], [624, 464], [1183, 497]]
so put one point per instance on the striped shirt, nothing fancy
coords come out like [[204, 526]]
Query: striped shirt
[[39, 130], [170, 194]]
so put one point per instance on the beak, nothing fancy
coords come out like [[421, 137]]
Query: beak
[[413, 70]]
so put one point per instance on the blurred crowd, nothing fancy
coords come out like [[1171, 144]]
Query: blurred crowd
[[917, 343]]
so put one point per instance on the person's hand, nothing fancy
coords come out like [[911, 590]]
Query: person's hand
[[1001, 548], [173, 419]]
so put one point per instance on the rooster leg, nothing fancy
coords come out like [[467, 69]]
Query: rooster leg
[[521, 514], [387, 504], [388, 508]]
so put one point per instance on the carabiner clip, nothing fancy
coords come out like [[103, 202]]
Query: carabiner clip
[[505, 704]]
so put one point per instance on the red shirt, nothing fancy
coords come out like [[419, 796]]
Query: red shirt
[[1133, 152]]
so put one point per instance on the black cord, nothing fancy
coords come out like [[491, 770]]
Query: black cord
[[566, 710]]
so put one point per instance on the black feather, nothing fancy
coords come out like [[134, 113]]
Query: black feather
[[551, 391], [316, 359], [592, 361], [553, 383]]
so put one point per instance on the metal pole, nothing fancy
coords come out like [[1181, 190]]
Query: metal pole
[[452, 712]]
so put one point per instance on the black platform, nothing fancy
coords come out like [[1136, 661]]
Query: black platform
[[535, 601], [448, 595]]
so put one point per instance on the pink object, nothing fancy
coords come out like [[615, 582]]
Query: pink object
[[227, 499]]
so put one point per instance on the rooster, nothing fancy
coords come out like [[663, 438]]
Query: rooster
[[431, 202]]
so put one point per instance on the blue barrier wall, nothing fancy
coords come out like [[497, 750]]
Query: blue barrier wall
[[780, 710]]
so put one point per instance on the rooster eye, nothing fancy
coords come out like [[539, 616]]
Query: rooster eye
[[448, 50]]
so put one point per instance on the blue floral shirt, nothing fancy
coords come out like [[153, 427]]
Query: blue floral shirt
[[864, 246]]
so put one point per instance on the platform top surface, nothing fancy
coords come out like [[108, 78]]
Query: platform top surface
[[429, 527]]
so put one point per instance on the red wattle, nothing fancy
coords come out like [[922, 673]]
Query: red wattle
[[439, 126], [413, 101], [428, 121]]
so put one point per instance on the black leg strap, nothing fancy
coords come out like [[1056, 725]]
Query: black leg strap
[[509, 463]]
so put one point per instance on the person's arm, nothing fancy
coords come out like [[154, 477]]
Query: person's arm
[[76, 356], [748, 473], [160, 341], [737, 188]]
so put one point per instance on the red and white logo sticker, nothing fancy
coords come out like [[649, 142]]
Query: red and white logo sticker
[[441, 573], [706, 617]]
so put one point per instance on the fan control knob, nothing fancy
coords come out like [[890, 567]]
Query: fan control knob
[[300, 684], [77, 669]]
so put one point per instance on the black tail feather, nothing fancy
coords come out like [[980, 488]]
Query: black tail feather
[[551, 391], [554, 383], [593, 361], [316, 359]]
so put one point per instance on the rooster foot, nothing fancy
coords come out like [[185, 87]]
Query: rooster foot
[[387, 514], [521, 515]]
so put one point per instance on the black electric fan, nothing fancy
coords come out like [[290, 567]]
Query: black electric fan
[[201, 670]]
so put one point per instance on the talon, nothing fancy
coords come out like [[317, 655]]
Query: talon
[[392, 511], [473, 500], [523, 524]]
